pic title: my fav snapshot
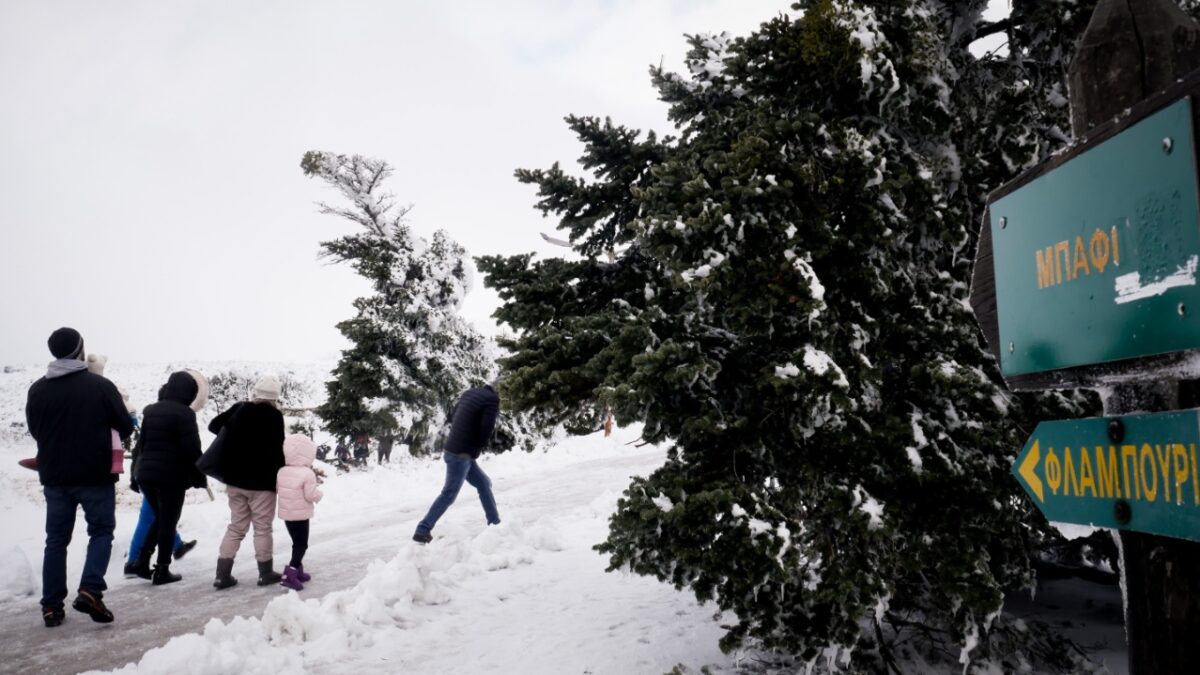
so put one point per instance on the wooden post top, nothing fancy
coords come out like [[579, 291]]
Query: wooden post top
[[1131, 50]]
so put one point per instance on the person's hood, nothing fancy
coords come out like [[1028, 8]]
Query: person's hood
[[299, 450], [61, 367], [180, 388]]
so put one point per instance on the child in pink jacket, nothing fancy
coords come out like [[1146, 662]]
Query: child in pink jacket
[[296, 485]]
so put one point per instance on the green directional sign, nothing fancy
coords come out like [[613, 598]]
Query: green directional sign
[[1096, 260], [1137, 472]]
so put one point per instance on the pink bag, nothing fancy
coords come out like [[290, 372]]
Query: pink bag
[[118, 453]]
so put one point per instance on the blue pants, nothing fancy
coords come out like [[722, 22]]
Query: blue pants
[[99, 509], [461, 468], [144, 523]]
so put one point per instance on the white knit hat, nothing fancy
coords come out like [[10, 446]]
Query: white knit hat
[[96, 363], [267, 388]]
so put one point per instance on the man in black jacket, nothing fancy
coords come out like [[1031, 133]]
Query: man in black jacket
[[471, 428], [71, 414]]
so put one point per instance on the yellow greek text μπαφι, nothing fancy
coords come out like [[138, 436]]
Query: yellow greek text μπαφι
[[1068, 260]]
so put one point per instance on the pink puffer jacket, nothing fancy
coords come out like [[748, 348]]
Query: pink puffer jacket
[[296, 482]]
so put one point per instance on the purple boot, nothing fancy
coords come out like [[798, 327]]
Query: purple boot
[[291, 579], [303, 576]]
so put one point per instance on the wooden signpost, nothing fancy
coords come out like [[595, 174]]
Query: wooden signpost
[[1087, 276]]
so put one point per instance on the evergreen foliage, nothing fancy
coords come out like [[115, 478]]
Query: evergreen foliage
[[786, 305], [411, 353]]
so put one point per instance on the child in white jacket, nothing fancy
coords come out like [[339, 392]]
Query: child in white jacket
[[296, 485]]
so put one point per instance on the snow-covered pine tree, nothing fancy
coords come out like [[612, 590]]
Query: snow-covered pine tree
[[569, 312], [788, 309], [411, 352]]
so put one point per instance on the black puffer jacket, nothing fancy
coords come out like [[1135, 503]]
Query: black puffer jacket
[[474, 420], [253, 447], [72, 418], [170, 442]]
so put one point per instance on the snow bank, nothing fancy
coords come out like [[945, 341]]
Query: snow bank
[[296, 635], [16, 574]]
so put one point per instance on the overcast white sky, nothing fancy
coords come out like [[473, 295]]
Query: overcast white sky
[[150, 189]]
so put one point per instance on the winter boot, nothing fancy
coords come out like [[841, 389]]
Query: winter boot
[[162, 575], [422, 537], [140, 568], [303, 576], [291, 579], [267, 575], [224, 574]]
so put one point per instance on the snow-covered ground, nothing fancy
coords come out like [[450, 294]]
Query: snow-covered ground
[[528, 596]]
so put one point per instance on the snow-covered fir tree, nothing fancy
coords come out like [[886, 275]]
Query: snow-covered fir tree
[[787, 308], [411, 352]]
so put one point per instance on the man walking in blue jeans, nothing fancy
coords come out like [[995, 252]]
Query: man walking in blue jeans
[[471, 428], [71, 414]]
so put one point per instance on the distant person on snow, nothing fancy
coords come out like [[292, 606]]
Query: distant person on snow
[[296, 485], [166, 466], [250, 459], [71, 413], [471, 426], [385, 448], [362, 449]]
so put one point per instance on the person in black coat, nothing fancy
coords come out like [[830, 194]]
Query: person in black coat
[[166, 465], [71, 414], [471, 427], [251, 454]]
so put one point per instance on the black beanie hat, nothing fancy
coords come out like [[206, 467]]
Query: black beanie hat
[[66, 343]]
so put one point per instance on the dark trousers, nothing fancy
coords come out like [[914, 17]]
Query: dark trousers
[[99, 509], [298, 531], [167, 502], [460, 468]]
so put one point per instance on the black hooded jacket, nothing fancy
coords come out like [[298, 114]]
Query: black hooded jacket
[[253, 446], [473, 421], [170, 442], [72, 418]]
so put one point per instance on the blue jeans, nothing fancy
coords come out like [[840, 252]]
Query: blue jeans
[[99, 509], [145, 522], [461, 468]]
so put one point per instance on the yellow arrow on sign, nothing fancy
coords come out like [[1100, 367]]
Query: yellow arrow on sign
[[1027, 471]]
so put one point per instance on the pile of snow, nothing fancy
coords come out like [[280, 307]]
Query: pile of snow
[[296, 635], [16, 574]]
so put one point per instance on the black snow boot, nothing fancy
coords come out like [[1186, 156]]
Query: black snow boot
[[267, 576], [162, 575], [224, 574], [141, 568]]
